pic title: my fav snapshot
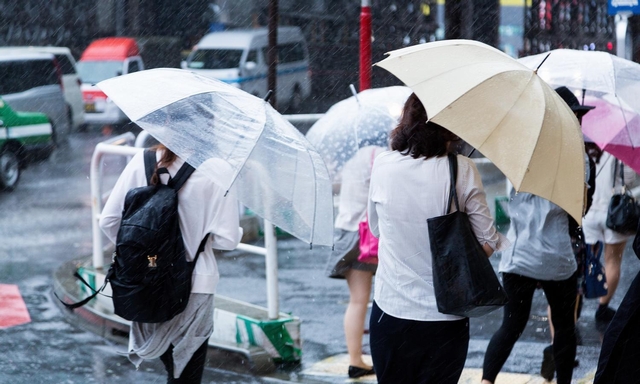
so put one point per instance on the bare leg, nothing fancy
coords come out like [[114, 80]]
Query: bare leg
[[359, 293], [612, 261]]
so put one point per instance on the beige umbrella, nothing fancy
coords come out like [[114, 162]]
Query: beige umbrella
[[504, 110]]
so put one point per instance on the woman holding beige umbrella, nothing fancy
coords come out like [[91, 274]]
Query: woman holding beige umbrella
[[411, 341], [510, 115]]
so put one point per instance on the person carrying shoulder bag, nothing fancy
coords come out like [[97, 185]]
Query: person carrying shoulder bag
[[411, 342], [595, 227]]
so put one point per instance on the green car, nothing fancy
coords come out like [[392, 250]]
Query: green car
[[24, 136]]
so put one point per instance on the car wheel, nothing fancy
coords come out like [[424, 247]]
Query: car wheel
[[9, 169]]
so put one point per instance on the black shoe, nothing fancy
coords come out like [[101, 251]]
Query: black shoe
[[355, 372], [548, 369], [604, 314]]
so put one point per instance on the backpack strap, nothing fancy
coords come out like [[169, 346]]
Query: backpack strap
[[175, 182], [181, 176], [72, 306], [203, 243], [149, 164]]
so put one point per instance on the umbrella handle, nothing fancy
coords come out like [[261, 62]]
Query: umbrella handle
[[355, 94]]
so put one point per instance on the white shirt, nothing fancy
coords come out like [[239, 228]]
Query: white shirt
[[202, 208], [404, 193], [354, 190]]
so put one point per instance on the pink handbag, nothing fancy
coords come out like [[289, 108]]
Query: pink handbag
[[368, 244]]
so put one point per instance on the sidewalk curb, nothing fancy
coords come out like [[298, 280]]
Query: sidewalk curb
[[334, 369]]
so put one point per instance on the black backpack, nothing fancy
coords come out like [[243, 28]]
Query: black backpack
[[150, 276]]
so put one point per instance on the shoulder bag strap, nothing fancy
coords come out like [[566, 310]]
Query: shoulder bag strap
[[615, 172], [453, 173]]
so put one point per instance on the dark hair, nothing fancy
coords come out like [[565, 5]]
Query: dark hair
[[417, 137], [167, 158]]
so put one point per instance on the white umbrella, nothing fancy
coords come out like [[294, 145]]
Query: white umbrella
[[610, 83], [268, 163]]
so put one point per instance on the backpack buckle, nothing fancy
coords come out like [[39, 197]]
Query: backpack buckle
[[152, 261]]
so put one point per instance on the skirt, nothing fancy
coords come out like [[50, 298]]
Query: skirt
[[345, 255], [186, 332]]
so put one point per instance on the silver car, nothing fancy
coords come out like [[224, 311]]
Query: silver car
[[32, 82]]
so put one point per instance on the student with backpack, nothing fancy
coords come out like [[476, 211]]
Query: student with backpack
[[207, 220]]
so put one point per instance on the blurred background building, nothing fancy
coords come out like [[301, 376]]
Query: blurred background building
[[331, 27]]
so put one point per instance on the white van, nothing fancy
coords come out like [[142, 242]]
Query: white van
[[70, 80], [103, 59], [239, 57]]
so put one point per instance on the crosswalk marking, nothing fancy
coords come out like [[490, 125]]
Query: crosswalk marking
[[13, 310]]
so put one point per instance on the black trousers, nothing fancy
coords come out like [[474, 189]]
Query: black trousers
[[561, 296], [417, 352], [192, 373]]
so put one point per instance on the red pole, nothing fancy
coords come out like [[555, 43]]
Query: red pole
[[365, 45]]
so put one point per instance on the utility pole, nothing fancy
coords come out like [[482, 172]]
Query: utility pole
[[273, 51], [365, 45]]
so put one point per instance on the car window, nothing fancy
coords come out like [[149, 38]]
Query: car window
[[66, 65], [21, 75], [133, 66], [291, 52], [95, 71], [214, 58], [252, 56]]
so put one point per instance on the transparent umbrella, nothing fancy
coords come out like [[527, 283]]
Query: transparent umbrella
[[614, 127], [361, 120], [237, 139]]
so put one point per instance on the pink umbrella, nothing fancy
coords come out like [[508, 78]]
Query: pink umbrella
[[614, 127]]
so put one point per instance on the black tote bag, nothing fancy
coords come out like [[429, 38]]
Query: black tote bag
[[464, 281]]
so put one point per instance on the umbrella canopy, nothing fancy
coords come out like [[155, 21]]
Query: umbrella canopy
[[609, 82], [593, 71], [237, 139], [614, 127], [361, 120], [504, 110]]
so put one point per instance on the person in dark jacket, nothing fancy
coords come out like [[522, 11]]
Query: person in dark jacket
[[619, 355]]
